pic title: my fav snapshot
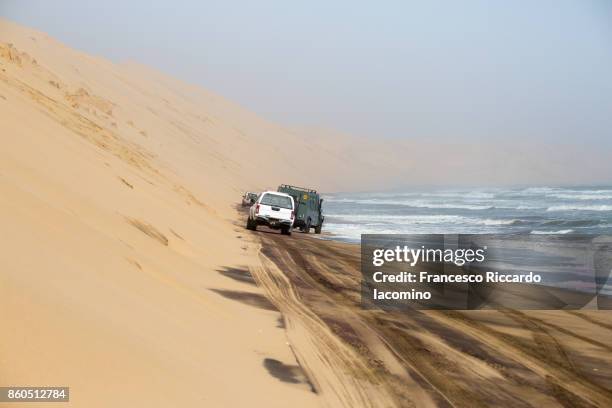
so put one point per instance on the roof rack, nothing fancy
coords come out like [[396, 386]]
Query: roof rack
[[308, 190]]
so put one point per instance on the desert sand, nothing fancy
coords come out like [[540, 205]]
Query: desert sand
[[127, 275], [117, 187]]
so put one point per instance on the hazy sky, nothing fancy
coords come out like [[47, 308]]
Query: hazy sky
[[428, 69]]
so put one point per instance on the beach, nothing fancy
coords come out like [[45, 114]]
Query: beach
[[127, 273], [435, 358]]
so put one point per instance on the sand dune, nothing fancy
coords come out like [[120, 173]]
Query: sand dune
[[116, 200]]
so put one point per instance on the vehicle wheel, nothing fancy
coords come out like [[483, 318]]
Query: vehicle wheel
[[286, 231], [318, 228], [252, 225], [307, 226]]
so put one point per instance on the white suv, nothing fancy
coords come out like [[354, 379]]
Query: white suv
[[276, 210]]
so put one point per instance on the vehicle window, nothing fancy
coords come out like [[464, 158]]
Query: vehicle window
[[277, 201]]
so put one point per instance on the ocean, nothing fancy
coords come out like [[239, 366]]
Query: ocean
[[533, 210]]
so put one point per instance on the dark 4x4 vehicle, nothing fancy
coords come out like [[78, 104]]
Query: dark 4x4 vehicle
[[308, 207]]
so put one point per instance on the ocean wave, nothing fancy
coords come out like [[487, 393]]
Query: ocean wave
[[571, 223], [539, 190], [354, 231], [584, 191], [461, 194], [417, 204], [566, 196], [527, 207], [438, 205], [507, 206], [451, 206], [565, 231], [374, 219], [564, 193], [500, 222], [571, 207], [425, 219]]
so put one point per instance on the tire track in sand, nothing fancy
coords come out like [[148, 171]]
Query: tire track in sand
[[417, 358], [335, 371]]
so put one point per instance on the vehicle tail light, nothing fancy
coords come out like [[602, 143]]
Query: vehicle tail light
[[257, 209]]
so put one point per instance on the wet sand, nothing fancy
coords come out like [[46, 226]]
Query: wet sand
[[434, 358]]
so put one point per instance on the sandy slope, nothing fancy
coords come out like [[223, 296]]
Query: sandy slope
[[118, 255]]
